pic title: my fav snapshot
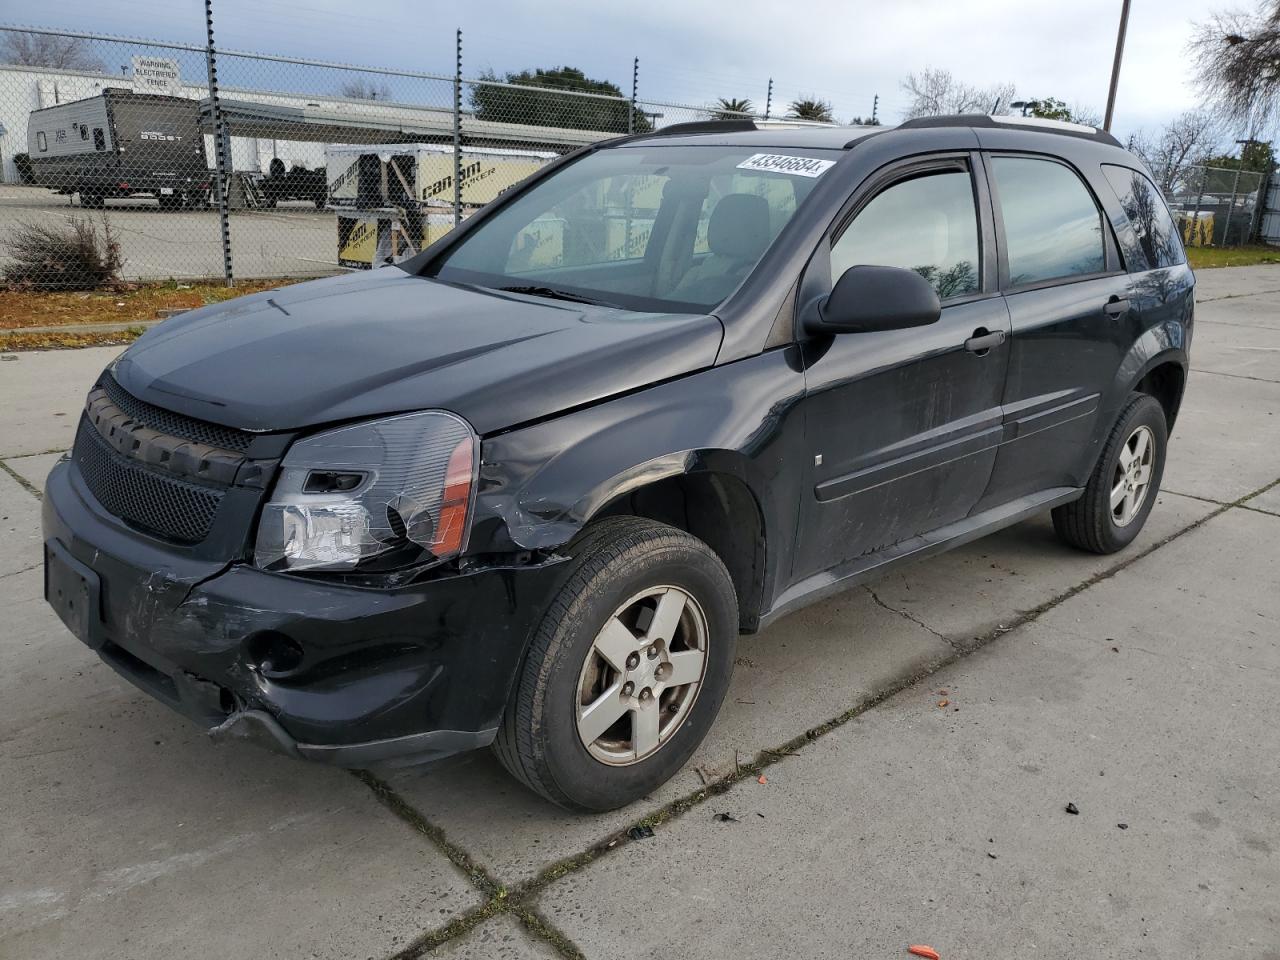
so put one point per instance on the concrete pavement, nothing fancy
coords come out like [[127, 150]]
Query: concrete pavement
[[1139, 687]]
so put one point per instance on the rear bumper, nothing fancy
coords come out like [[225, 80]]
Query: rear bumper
[[338, 674]]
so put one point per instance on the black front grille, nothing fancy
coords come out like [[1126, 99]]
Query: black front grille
[[142, 496], [175, 424]]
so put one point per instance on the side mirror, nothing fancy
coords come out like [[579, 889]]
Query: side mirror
[[869, 298]]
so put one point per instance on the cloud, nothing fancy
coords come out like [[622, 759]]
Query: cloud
[[846, 52]]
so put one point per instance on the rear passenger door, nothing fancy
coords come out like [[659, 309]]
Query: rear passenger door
[[1067, 295]]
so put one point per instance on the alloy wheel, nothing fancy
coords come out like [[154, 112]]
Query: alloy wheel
[[1131, 480], [642, 675]]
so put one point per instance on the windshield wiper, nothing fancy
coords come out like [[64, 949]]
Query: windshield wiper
[[554, 294]]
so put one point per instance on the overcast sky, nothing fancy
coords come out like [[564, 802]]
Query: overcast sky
[[845, 52]]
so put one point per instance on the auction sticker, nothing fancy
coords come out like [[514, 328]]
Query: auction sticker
[[782, 163]]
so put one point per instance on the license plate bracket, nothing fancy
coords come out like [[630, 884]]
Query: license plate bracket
[[74, 591], [166, 191]]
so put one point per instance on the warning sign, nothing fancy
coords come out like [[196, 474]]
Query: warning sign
[[157, 75]]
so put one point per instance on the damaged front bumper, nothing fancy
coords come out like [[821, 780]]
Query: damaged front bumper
[[345, 675]]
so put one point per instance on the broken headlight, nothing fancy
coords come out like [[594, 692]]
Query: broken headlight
[[393, 491]]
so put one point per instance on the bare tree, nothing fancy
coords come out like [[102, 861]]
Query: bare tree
[[1187, 140], [362, 88], [936, 92], [44, 50], [1237, 63], [1083, 113]]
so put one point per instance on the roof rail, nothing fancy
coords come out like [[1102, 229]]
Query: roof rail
[[1038, 124], [704, 126]]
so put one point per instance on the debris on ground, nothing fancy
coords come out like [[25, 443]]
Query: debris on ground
[[1073, 809], [1123, 826], [642, 832], [992, 855], [943, 703], [725, 818], [762, 779], [920, 950]]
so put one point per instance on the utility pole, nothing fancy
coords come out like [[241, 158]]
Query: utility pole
[[875, 106], [768, 100], [1115, 66]]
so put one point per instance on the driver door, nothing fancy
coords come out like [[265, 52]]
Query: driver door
[[903, 425]]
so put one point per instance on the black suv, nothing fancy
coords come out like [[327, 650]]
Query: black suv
[[529, 486]]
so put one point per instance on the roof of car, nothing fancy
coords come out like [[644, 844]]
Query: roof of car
[[750, 133]]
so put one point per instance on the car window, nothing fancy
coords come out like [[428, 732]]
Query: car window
[[1052, 227], [1155, 242], [608, 219], [652, 227], [927, 224]]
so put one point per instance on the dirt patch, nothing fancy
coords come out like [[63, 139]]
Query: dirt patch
[[67, 340], [133, 303]]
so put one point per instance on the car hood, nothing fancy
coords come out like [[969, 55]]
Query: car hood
[[386, 342]]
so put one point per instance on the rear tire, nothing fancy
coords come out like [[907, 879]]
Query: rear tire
[[1125, 482], [616, 659]]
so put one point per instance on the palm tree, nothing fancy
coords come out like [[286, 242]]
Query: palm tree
[[735, 109], [810, 108]]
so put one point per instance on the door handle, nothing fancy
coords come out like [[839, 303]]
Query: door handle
[[983, 340], [1116, 306]]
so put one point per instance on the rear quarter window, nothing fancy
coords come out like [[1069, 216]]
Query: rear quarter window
[[1151, 239]]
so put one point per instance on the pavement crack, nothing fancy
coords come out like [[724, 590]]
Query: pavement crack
[[1267, 513], [14, 573], [498, 899], [1236, 376], [910, 616], [1236, 296], [22, 481]]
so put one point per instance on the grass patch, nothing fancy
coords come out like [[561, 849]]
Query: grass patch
[[67, 340], [131, 303], [1206, 258]]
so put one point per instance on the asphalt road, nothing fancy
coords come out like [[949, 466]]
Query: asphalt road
[[292, 240], [1141, 688]]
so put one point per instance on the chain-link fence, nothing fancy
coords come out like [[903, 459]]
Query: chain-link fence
[[1217, 206], [110, 150]]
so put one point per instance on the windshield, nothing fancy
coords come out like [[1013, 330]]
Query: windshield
[[646, 228]]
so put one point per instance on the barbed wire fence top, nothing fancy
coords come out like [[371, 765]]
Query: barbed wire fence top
[[109, 155]]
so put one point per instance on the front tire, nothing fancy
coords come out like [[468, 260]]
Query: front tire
[[627, 670], [1124, 484]]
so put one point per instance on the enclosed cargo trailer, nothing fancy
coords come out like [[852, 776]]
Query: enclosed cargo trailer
[[394, 199], [121, 144]]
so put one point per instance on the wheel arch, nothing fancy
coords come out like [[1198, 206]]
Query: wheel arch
[[721, 510], [1165, 380], [1155, 364]]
